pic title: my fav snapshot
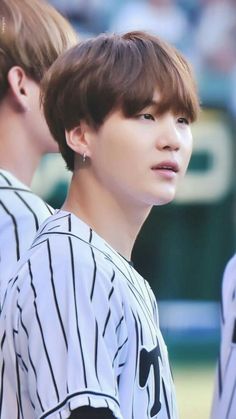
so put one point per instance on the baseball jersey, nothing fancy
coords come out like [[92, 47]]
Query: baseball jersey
[[79, 327], [21, 213], [224, 401]]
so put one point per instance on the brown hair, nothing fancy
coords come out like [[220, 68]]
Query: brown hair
[[32, 35], [110, 71]]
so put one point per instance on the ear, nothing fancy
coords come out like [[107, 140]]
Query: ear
[[79, 139], [19, 88]]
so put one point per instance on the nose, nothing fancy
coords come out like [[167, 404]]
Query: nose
[[169, 135]]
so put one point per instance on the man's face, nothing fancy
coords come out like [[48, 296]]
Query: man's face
[[141, 159]]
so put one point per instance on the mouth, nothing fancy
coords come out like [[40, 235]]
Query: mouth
[[168, 166]]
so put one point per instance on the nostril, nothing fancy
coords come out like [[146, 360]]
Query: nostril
[[171, 147]]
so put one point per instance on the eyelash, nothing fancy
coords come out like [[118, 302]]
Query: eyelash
[[149, 116], [183, 120]]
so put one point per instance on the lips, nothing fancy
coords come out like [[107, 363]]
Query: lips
[[167, 165]]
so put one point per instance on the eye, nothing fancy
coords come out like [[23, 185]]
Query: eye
[[183, 120], [147, 116]]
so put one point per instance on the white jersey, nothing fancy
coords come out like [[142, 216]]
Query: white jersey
[[21, 213], [224, 401], [79, 327]]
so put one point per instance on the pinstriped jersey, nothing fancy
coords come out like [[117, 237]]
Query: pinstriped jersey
[[79, 327], [21, 213], [224, 401]]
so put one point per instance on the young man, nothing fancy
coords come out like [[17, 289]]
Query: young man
[[224, 401], [32, 35], [79, 329]]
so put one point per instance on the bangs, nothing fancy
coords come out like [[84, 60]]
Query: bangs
[[123, 73], [168, 74], [174, 96]]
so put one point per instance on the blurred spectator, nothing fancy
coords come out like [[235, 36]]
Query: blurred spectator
[[89, 17], [204, 30], [217, 34], [76, 11], [67, 6], [216, 49], [160, 17]]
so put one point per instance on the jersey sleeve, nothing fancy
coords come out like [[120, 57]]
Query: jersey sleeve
[[224, 401], [72, 333]]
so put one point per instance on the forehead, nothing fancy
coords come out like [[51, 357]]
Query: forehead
[[156, 98]]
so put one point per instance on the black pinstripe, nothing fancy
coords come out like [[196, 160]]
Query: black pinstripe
[[21, 213], [77, 320], [14, 222], [55, 295], [41, 332]]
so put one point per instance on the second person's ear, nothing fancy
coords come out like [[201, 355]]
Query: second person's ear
[[19, 88]]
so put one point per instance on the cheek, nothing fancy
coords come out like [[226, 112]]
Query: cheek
[[187, 148], [188, 154], [186, 160], [118, 150]]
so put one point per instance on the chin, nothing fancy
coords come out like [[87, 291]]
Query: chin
[[164, 199]]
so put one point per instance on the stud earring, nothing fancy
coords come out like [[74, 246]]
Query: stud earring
[[84, 157]]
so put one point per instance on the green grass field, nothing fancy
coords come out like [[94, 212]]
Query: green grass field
[[194, 388], [193, 357]]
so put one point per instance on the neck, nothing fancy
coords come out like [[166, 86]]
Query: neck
[[114, 221], [17, 154]]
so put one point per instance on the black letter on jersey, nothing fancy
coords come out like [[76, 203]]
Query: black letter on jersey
[[148, 359]]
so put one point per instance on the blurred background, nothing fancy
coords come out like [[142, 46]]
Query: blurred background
[[184, 246]]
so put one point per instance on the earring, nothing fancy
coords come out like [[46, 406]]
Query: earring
[[84, 157]]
